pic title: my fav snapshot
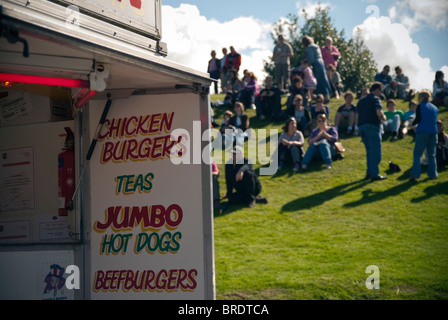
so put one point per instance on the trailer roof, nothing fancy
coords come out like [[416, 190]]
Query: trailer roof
[[55, 48]]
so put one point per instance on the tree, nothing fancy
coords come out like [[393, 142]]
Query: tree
[[356, 66]]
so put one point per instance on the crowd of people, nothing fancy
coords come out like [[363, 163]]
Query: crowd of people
[[309, 87]]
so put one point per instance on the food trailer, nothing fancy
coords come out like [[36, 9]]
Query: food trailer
[[105, 191]]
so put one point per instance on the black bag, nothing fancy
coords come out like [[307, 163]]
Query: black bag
[[393, 167]]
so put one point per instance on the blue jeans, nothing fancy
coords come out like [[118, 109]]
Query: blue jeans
[[428, 141], [325, 152], [371, 137], [392, 125]]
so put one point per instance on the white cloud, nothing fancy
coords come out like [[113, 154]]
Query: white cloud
[[310, 8], [415, 14], [191, 37], [392, 44]]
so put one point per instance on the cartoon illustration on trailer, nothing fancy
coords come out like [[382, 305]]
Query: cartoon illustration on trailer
[[55, 281]]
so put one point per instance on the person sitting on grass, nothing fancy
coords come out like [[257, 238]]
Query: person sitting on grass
[[249, 90], [295, 89], [408, 118], [226, 128], [393, 119], [386, 80], [268, 102], [241, 176], [240, 121], [347, 112], [290, 144], [298, 111], [321, 143], [232, 88], [317, 109], [442, 146]]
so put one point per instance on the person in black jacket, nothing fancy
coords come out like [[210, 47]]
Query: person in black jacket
[[240, 175]]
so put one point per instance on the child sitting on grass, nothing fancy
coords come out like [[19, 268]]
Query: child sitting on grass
[[347, 112], [393, 119], [408, 118]]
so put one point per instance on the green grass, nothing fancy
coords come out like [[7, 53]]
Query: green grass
[[322, 228]]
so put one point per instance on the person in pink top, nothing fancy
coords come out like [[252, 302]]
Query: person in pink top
[[310, 81], [330, 54]]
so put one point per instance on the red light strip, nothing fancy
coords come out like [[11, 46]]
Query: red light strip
[[84, 99], [49, 81]]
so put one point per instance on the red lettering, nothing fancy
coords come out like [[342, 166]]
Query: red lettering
[[135, 3], [157, 145], [121, 218], [98, 284], [148, 280], [157, 216]]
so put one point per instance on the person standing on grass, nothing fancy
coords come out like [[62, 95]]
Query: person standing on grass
[[213, 69], [370, 116], [281, 56], [426, 136]]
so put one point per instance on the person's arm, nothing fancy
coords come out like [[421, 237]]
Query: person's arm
[[314, 136], [381, 115], [229, 179], [418, 116], [245, 122], [379, 109], [291, 51], [244, 168], [404, 82], [331, 135], [335, 52], [300, 140]]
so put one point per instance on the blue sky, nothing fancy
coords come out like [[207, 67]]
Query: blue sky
[[423, 23]]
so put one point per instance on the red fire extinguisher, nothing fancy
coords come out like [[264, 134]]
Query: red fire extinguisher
[[66, 172]]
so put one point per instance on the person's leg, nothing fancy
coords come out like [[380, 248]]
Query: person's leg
[[388, 125], [396, 123], [371, 136], [325, 152], [376, 151], [337, 120], [419, 147], [247, 188], [295, 154], [431, 145], [282, 150], [351, 119], [309, 155], [285, 76], [363, 132]]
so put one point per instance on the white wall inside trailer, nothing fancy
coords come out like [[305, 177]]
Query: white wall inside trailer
[[24, 275], [45, 143], [29, 146]]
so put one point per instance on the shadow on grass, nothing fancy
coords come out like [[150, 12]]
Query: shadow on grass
[[369, 196], [431, 191], [317, 199], [229, 208]]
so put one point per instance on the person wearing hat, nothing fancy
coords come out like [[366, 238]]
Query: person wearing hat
[[240, 175]]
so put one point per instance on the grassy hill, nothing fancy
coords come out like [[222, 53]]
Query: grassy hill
[[322, 228]]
